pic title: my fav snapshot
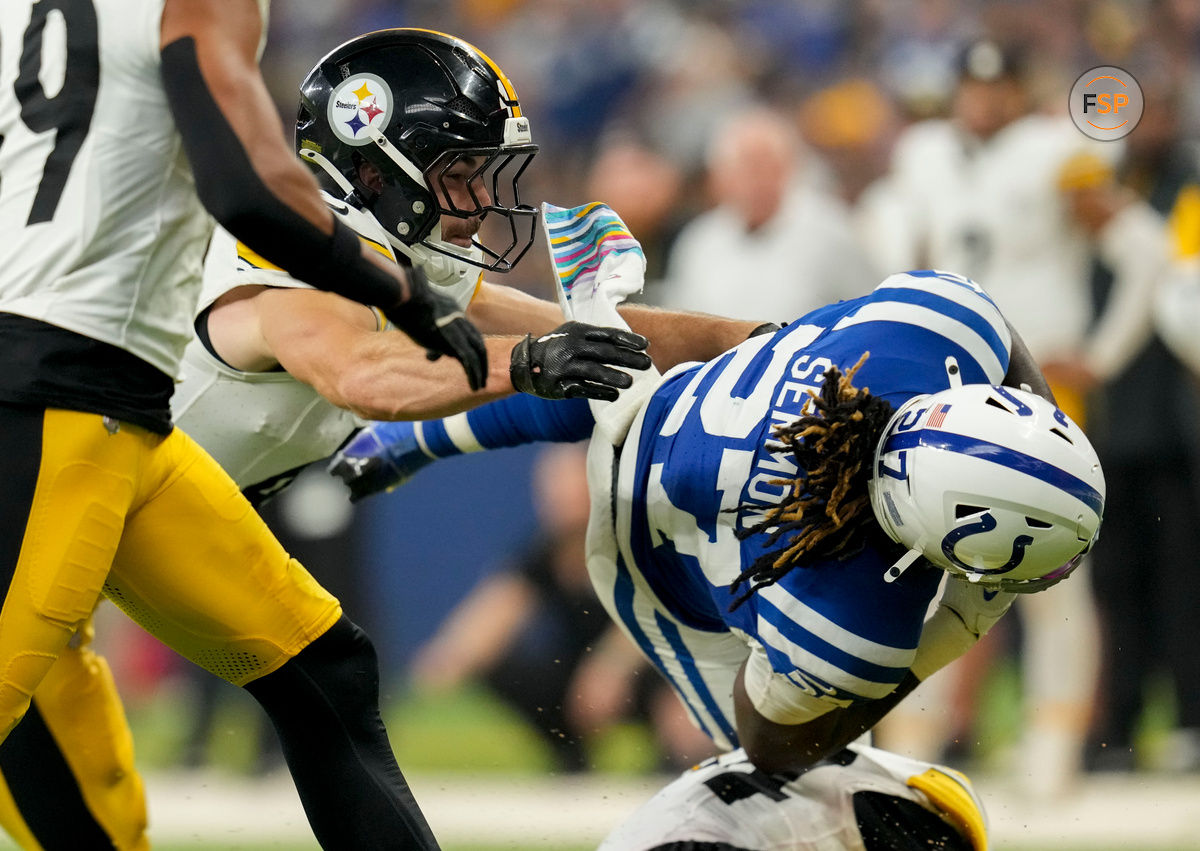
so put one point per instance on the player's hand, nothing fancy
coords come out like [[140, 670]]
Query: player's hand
[[381, 457], [435, 322], [576, 360], [978, 605]]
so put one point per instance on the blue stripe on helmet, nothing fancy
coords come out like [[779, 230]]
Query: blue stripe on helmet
[[1002, 455]]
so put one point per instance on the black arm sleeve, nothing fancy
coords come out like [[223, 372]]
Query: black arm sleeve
[[231, 190]]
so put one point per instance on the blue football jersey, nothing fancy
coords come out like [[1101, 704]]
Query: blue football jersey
[[704, 445]]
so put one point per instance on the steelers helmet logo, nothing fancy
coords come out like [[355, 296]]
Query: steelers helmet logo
[[360, 102]]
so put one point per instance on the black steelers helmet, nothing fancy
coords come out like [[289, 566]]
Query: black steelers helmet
[[426, 110]]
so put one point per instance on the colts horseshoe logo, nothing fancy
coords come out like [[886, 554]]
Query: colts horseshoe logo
[[985, 523]]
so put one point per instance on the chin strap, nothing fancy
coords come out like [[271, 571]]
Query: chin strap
[[953, 373], [954, 376], [322, 162], [402, 162], [902, 564], [441, 261]]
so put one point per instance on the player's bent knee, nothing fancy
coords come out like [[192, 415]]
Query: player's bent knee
[[341, 665]]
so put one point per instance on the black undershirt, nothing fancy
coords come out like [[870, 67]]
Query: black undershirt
[[50, 367]]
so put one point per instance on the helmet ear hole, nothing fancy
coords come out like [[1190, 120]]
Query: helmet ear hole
[[1057, 432], [367, 178], [1035, 523], [962, 510]]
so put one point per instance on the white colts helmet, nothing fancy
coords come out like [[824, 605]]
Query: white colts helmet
[[991, 483]]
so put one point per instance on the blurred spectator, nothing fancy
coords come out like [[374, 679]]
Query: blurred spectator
[[807, 40], [1126, 235], [1174, 33], [528, 631], [851, 125], [1177, 308], [918, 43], [683, 101], [777, 244], [577, 61], [977, 193], [616, 680], [645, 188], [1147, 561]]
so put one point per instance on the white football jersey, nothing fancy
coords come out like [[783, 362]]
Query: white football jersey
[[262, 425], [726, 802], [992, 210], [106, 234]]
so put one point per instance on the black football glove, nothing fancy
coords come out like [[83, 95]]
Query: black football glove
[[576, 360], [436, 322]]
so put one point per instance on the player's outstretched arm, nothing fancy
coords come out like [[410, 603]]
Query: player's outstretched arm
[[965, 612], [333, 344], [247, 177], [385, 455], [680, 336], [676, 336]]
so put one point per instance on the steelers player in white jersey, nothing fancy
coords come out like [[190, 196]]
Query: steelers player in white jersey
[[279, 374], [126, 126]]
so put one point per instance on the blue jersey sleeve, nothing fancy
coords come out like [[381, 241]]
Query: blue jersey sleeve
[[511, 421]]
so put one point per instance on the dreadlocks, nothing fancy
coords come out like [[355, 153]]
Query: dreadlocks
[[833, 444]]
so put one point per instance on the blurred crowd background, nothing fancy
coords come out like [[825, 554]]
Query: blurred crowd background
[[774, 155]]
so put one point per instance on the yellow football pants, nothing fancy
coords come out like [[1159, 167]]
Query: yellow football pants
[[167, 535], [79, 703]]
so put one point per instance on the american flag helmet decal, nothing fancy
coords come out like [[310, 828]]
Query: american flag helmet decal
[[937, 416]]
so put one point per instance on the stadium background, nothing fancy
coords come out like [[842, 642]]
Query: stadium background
[[592, 76]]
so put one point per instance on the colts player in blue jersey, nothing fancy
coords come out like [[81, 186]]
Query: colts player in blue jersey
[[769, 530]]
